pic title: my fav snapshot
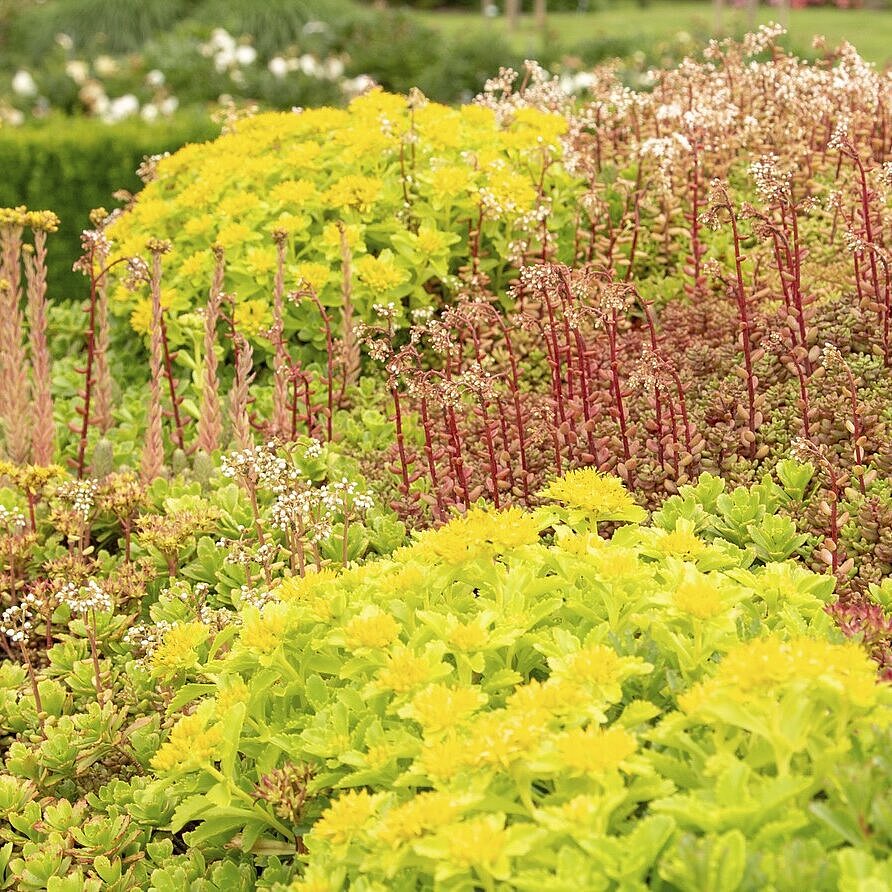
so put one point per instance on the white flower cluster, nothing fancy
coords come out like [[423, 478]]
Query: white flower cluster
[[17, 623], [80, 494], [244, 553], [147, 637], [85, 599], [298, 510], [772, 182], [227, 53], [344, 497], [329, 69], [254, 596], [259, 464], [313, 449], [13, 519]]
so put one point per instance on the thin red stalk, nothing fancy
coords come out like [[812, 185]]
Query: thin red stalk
[[329, 349]]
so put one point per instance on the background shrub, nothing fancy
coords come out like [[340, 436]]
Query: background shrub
[[78, 167]]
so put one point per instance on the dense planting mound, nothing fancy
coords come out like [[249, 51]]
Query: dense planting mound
[[488, 707], [402, 194], [515, 700]]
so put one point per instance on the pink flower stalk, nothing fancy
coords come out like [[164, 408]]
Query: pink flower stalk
[[210, 419], [104, 399], [238, 396], [15, 394], [44, 429]]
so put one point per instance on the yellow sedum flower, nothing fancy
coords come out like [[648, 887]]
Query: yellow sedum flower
[[229, 696], [598, 668], [404, 670], [593, 751], [432, 241], [602, 496], [372, 628], [348, 815], [442, 758], [467, 637], [451, 181], [141, 317], [253, 316], [191, 743], [355, 191], [553, 697], [316, 275], [427, 812], [294, 193], [380, 274], [178, 651], [698, 595], [265, 629], [480, 531], [304, 173], [316, 879], [234, 234], [766, 667], [301, 588], [439, 707], [261, 261], [503, 737], [681, 542], [480, 842]]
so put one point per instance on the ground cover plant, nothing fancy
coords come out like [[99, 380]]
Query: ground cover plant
[[480, 498]]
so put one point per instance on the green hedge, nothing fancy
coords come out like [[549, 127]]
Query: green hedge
[[70, 166]]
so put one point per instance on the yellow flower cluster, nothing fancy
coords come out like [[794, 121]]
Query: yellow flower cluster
[[600, 496], [178, 651], [477, 533], [21, 217], [308, 173], [192, 742], [771, 664], [486, 692]]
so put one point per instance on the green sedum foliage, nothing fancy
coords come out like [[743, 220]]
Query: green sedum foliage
[[515, 702]]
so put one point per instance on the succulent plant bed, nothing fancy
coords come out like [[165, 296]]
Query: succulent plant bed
[[492, 497]]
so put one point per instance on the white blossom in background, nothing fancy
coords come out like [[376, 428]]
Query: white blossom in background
[[278, 67], [309, 66], [245, 55], [105, 66], [12, 116], [23, 84], [355, 86], [155, 78], [92, 95], [77, 70], [221, 41], [122, 107], [334, 68]]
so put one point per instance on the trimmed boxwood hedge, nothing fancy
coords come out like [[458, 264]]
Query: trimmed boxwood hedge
[[72, 165]]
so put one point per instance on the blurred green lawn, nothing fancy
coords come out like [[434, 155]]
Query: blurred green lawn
[[869, 30]]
